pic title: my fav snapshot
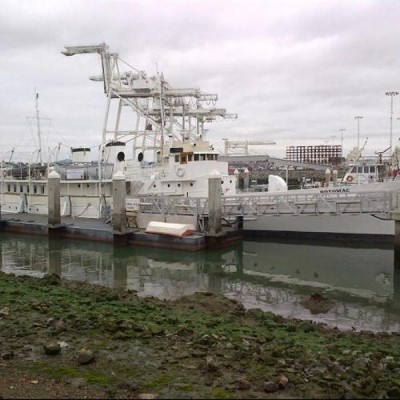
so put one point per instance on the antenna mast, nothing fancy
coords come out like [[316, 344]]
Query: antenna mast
[[38, 126]]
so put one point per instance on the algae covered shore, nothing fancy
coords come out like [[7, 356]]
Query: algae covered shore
[[63, 339]]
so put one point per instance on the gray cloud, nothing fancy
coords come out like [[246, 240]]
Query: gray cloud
[[295, 71]]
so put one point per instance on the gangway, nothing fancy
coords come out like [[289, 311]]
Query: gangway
[[252, 206]]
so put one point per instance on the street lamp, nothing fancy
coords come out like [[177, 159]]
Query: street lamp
[[358, 117], [391, 94]]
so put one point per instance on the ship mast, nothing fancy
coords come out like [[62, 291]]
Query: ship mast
[[38, 126]]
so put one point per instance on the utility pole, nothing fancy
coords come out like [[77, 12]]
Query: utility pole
[[358, 117]]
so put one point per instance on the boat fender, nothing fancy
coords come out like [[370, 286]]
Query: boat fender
[[180, 172], [349, 178]]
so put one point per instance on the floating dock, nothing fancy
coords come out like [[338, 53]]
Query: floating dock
[[97, 230]]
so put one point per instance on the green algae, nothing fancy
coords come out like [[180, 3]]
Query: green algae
[[161, 344]]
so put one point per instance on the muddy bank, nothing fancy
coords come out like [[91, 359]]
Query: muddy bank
[[62, 339]]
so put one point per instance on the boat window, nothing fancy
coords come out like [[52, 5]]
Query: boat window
[[353, 170], [34, 189], [202, 157], [190, 157], [191, 184], [8, 188], [359, 170], [176, 158], [209, 157], [42, 189], [183, 160], [27, 189], [196, 157], [216, 157], [21, 189], [372, 168], [179, 185]]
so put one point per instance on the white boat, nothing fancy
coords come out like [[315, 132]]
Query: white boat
[[170, 229], [164, 152], [358, 206]]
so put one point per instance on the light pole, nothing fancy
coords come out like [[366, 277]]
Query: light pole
[[341, 130], [391, 94], [358, 117]]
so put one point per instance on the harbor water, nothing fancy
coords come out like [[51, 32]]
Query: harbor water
[[361, 283]]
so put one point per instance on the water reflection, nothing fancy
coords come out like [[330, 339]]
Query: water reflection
[[274, 276]]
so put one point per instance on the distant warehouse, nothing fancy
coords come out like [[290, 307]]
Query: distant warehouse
[[321, 154]]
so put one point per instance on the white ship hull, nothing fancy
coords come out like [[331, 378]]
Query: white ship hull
[[359, 225]]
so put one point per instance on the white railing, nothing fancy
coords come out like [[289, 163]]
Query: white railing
[[275, 204]]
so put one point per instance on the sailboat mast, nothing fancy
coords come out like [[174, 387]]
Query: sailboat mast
[[38, 126]]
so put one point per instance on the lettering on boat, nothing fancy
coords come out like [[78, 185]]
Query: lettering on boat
[[336, 190]]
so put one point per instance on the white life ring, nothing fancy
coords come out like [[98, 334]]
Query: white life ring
[[349, 178], [180, 172]]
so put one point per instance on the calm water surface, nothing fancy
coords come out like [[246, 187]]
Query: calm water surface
[[363, 283]]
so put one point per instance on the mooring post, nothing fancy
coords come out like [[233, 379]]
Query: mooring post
[[246, 179], [119, 202], [214, 202], [327, 177], [236, 173], [53, 199], [55, 260]]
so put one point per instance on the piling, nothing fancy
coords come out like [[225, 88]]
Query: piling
[[395, 215], [55, 260], [214, 203], [53, 198], [119, 218], [246, 179], [335, 177], [327, 177], [236, 173]]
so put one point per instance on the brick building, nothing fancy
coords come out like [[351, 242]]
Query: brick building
[[321, 154]]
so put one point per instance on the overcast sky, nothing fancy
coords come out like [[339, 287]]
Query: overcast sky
[[295, 71]]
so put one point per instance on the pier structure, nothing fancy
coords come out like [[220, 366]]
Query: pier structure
[[118, 230]]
